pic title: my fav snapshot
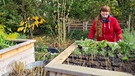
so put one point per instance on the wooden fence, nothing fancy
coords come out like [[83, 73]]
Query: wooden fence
[[79, 26], [86, 25]]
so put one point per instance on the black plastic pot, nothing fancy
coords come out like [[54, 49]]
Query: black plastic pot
[[52, 50]]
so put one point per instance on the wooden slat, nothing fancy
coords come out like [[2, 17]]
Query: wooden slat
[[79, 26], [15, 51], [52, 74], [63, 55], [84, 71], [66, 75], [59, 74]]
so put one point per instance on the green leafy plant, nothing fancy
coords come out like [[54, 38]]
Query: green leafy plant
[[125, 50], [127, 46], [5, 43], [103, 48], [77, 51], [113, 49], [128, 36]]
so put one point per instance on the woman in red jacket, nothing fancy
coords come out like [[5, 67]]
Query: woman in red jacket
[[105, 27]]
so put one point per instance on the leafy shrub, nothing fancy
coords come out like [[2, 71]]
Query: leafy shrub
[[10, 35], [78, 34], [5, 43], [128, 36]]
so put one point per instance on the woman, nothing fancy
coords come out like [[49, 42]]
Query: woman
[[105, 27]]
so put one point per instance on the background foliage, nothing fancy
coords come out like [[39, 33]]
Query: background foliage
[[12, 12]]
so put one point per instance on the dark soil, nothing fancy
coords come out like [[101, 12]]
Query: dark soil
[[108, 63]]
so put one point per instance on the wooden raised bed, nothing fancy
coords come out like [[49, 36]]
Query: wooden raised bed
[[57, 67], [23, 51]]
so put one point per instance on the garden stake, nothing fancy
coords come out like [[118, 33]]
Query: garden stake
[[72, 58], [92, 58], [120, 67], [81, 60], [68, 61], [107, 63]]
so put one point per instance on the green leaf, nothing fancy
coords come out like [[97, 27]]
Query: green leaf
[[125, 58]]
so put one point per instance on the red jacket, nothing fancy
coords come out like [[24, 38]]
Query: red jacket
[[111, 30]]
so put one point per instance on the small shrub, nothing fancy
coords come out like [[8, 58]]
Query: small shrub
[[5, 43], [78, 34], [19, 70]]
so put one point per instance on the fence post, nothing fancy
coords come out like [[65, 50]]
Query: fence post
[[68, 26], [85, 25]]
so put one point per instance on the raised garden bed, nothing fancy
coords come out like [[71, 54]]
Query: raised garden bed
[[102, 63], [22, 51], [70, 64]]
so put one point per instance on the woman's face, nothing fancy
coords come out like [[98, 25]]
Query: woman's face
[[104, 14]]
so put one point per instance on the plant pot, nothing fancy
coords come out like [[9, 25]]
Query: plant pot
[[34, 64]]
